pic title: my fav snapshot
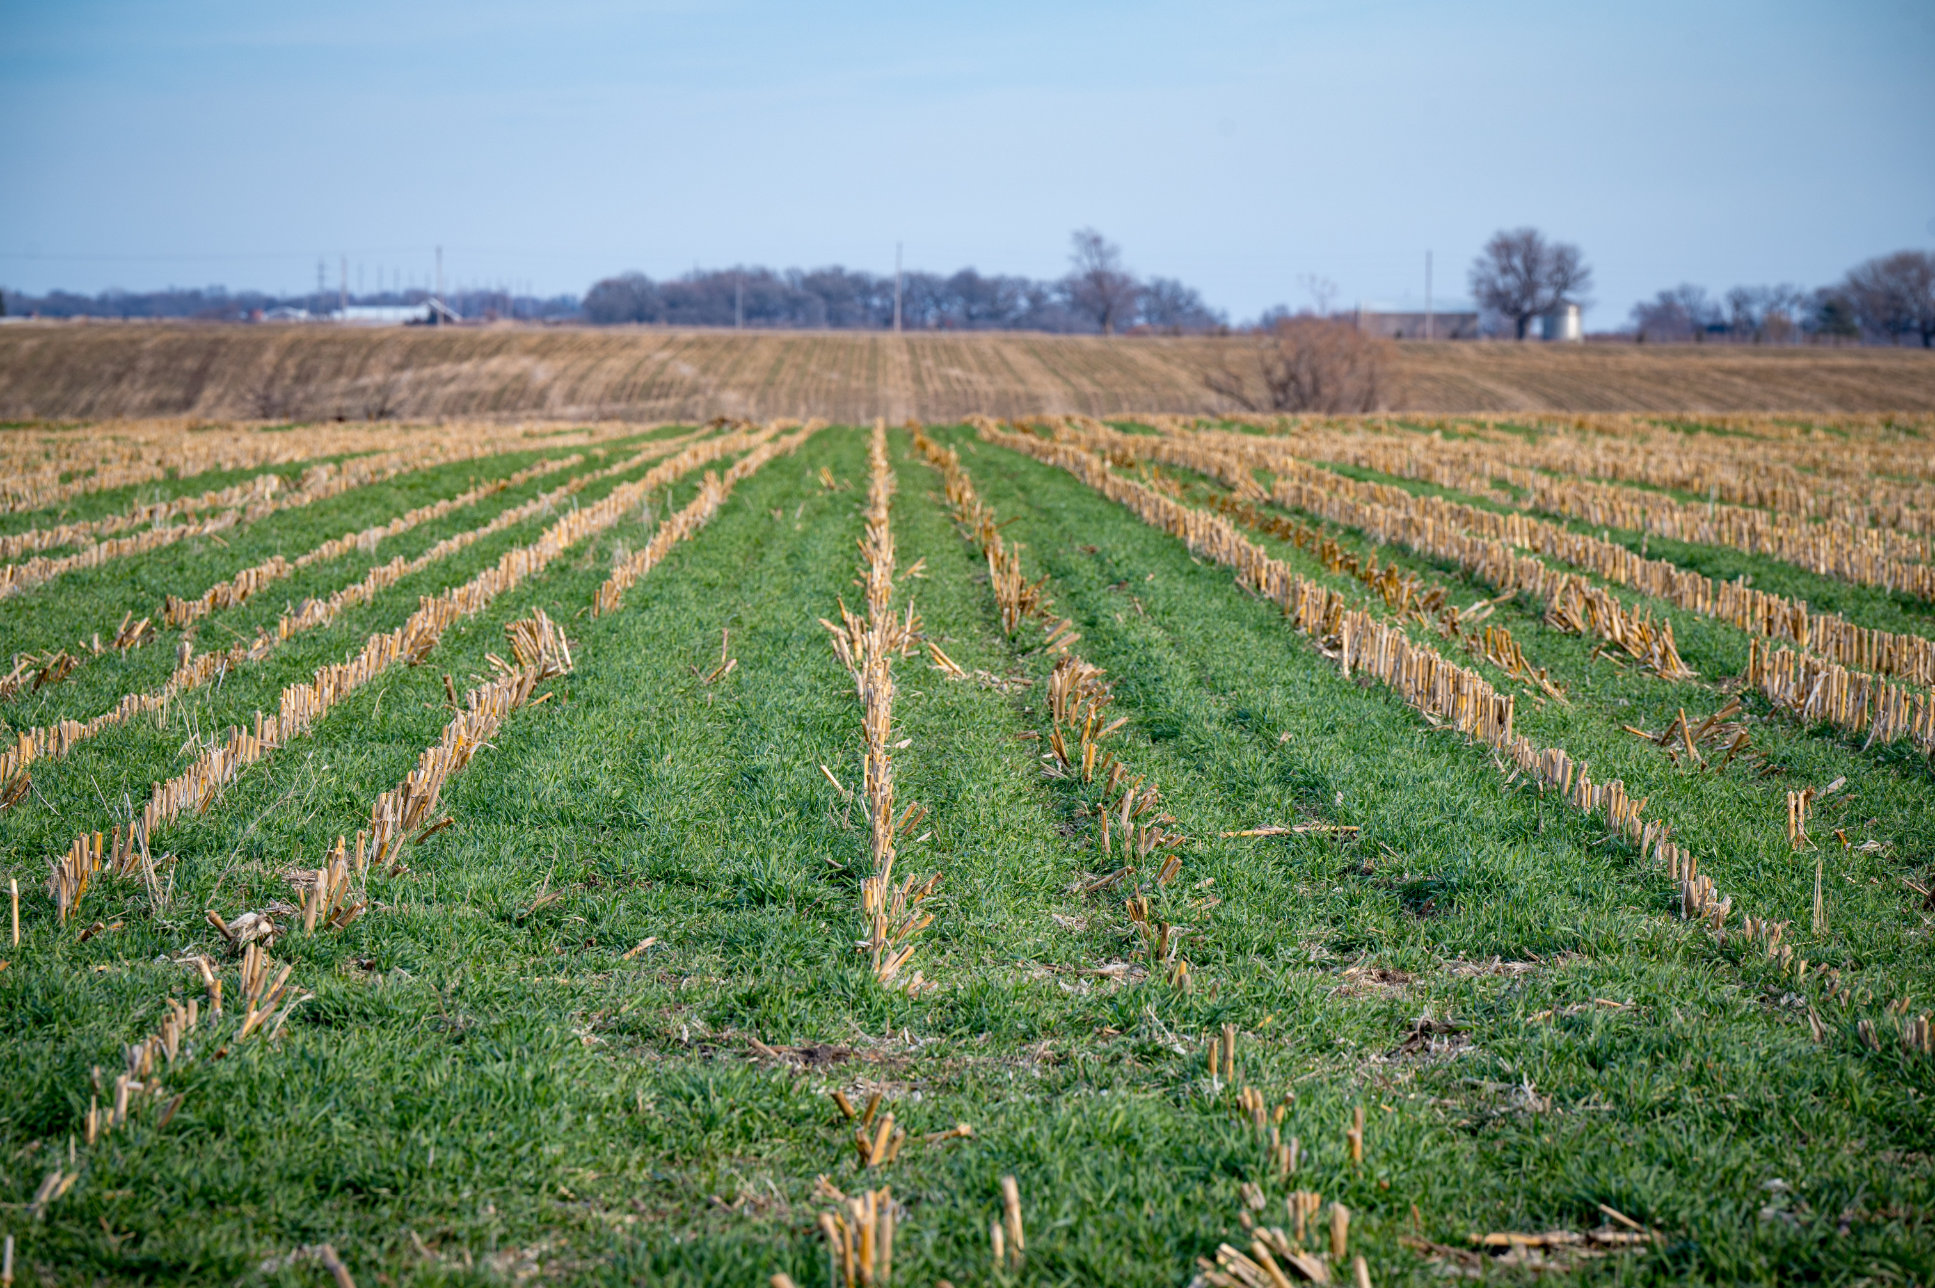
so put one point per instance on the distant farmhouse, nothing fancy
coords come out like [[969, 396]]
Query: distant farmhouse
[[382, 314], [1455, 323], [1459, 322], [430, 312]]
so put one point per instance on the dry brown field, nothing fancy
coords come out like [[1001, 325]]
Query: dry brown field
[[273, 372]]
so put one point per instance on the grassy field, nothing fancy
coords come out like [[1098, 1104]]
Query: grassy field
[[592, 1034], [273, 372]]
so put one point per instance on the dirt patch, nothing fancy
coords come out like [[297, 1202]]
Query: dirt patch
[[813, 1055], [1373, 981], [1430, 1038], [1461, 969]]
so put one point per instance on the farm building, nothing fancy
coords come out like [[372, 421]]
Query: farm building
[[1561, 323], [384, 314], [430, 312], [1459, 323]]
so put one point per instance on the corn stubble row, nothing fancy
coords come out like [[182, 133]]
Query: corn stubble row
[[1409, 595], [891, 912], [39, 469], [303, 704], [331, 900], [331, 895], [187, 1033], [860, 1230], [237, 496], [1815, 691], [713, 491], [1809, 688], [1275, 1255], [178, 613], [319, 482], [1757, 612], [1443, 692], [1571, 603], [1859, 554], [1862, 472], [542, 653], [1129, 819], [45, 469], [194, 670], [1440, 689]]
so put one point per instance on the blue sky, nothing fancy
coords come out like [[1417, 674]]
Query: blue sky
[[1239, 146]]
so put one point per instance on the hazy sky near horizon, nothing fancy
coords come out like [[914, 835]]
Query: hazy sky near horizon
[[1238, 146]]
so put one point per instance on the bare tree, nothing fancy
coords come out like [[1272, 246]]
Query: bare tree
[[1764, 314], [1169, 305], [1521, 275], [1683, 313], [1099, 287], [1322, 291], [1894, 295], [629, 297], [1831, 317], [1304, 364]]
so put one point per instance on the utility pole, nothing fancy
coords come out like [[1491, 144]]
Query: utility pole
[[1427, 295], [319, 283], [739, 301], [896, 288], [342, 291], [437, 313]]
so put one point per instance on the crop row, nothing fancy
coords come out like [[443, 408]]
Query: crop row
[[304, 703], [1423, 678], [179, 613], [236, 496], [713, 491], [1871, 472], [331, 897], [1570, 601], [1128, 818], [1809, 688], [45, 468], [319, 483], [1449, 694], [195, 670], [867, 645], [1757, 612], [1862, 555]]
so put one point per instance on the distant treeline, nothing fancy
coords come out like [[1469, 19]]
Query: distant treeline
[[848, 299], [219, 304], [1886, 300], [754, 297], [1097, 295]]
